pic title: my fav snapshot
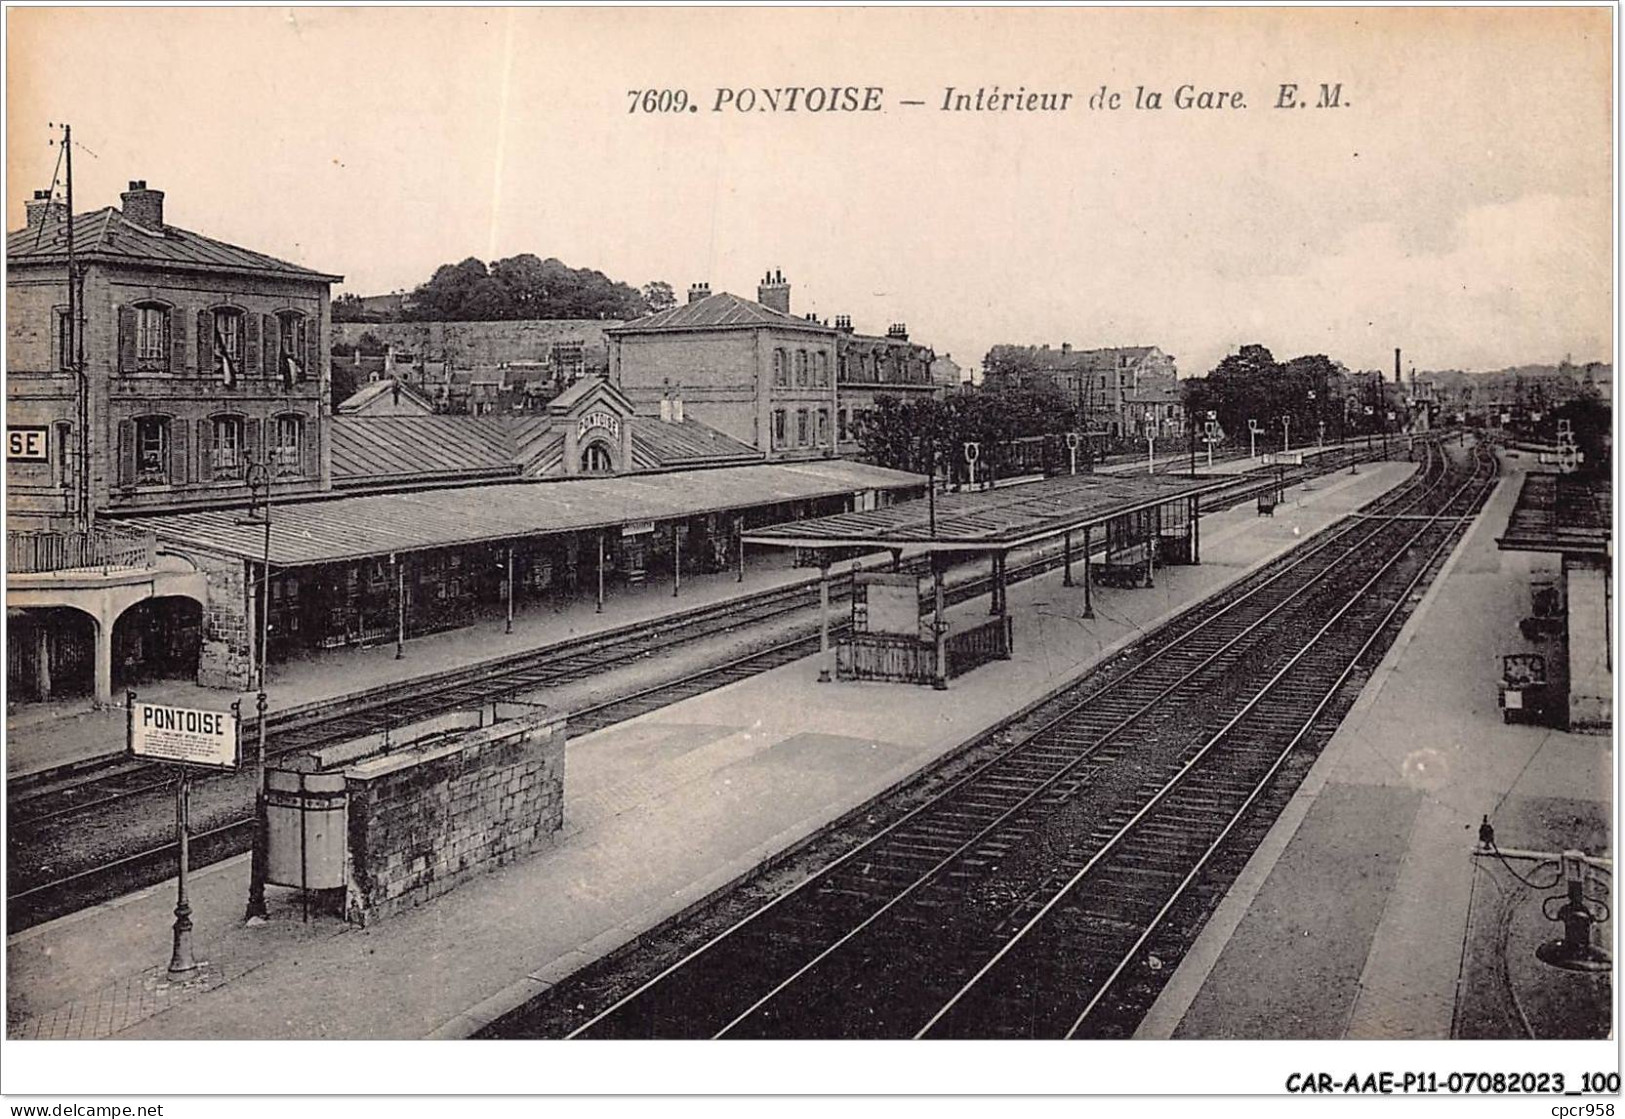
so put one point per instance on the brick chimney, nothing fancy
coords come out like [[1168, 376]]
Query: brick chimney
[[1066, 347], [144, 207], [843, 323], [42, 210], [898, 330], [697, 292], [774, 292]]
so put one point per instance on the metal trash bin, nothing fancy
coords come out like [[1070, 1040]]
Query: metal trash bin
[[306, 829]]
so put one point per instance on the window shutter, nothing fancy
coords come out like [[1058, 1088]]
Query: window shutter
[[309, 452], [177, 341], [270, 346], [205, 346], [251, 345], [126, 338], [179, 460], [251, 441], [126, 451], [205, 451], [312, 371]]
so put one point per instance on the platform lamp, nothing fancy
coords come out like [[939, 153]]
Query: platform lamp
[[258, 478]]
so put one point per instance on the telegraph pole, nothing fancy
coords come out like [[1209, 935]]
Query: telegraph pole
[[76, 350]]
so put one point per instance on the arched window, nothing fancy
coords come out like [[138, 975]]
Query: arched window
[[287, 446], [143, 338], [290, 361], [152, 450], [226, 344], [595, 459], [227, 449], [781, 368], [821, 363], [801, 369]]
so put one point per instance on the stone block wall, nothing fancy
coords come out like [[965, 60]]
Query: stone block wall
[[225, 658], [424, 820]]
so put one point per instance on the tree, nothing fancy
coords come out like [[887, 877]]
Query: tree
[[659, 295], [348, 308], [523, 287]]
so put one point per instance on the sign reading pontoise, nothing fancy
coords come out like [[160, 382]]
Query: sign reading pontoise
[[181, 734]]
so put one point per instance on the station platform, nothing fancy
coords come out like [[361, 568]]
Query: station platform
[[45, 735], [1364, 914], [660, 812]]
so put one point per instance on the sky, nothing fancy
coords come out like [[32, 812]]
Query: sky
[[1456, 203]]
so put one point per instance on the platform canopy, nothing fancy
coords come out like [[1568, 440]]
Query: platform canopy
[[1561, 513], [996, 519], [356, 527]]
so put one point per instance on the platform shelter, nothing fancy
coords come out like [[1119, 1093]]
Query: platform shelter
[[1570, 516], [1137, 522], [381, 568]]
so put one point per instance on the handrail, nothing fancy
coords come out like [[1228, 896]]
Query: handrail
[[104, 547]]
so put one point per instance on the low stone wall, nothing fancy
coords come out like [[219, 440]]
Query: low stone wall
[[425, 819]]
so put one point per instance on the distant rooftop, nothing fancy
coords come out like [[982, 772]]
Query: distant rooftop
[[718, 311]]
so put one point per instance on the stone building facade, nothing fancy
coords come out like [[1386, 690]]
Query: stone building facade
[[200, 359], [751, 370]]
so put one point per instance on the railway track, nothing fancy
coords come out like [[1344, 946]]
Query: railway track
[[1096, 824], [48, 881]]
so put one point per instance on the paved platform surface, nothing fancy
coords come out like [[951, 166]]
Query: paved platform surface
[[1363, 914], [660, 811]]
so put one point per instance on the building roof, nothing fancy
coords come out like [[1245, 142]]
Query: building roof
[[718, 311], [377, 451], [107, 235], [369, 392], [658, 444], [983, 520], [359, 526], [1561, 513], [385, 449]]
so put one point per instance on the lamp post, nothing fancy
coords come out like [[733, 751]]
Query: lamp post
[[1150, 451], [1252, 438], [1286, 434], [258, 478]]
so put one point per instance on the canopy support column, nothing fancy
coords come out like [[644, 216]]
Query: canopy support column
[[1066, 560], [823, 618], [400, 610], [676, 558], [1196, 529], [939, 624], [600, 571], [509, 627], [1088, 576], [739, 527]]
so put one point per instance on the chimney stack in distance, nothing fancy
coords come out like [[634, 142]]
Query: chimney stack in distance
[[42, 210], [774, 292], [144, 207], [697, 292]]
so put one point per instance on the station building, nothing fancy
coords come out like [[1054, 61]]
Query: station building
[[218, 480], [194, 362]]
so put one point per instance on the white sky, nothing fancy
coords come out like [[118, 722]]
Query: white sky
[[1459, 207]]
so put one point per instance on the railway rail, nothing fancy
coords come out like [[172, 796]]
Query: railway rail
[[48, 881], [1098, 822]]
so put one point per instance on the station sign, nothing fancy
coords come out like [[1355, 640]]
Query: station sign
[[28, 444], [599, 420], [159, 732], [1282, 458], [638, 528]]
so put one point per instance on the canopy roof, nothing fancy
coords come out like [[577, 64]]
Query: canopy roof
[[990, 520]]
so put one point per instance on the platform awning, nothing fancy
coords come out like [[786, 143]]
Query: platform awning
[[991, 520], [1561, 513], [355, 527]]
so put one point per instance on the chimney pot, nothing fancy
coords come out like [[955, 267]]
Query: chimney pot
[[43, 210], [774, 293], [698, 291]]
